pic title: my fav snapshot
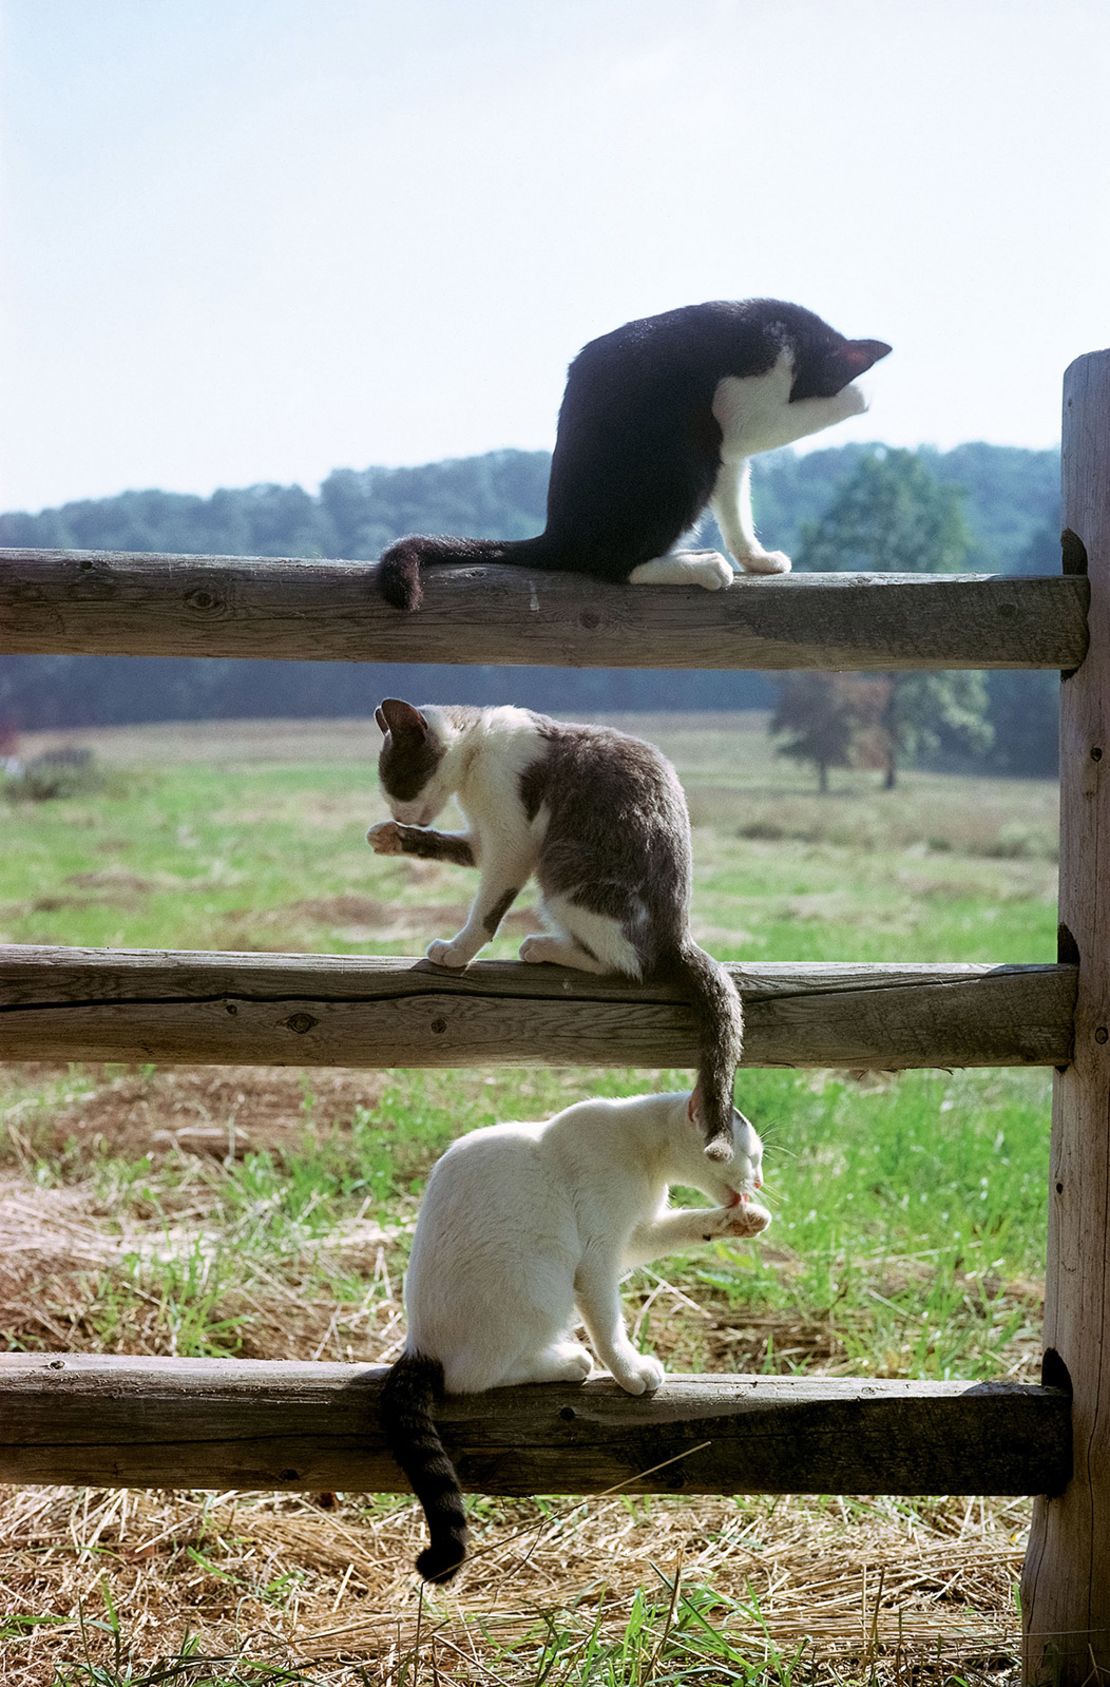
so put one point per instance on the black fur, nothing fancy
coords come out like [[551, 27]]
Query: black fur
[[638, 447], [410, 1390]]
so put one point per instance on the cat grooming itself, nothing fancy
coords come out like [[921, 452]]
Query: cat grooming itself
[[660, 419], [600, 819], [522, 1223]]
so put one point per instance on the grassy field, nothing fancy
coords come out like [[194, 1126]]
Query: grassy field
[[268, 1213]]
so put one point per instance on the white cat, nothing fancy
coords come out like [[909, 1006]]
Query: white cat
[[520, 1225]]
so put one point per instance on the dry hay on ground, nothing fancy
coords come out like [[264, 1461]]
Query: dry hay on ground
[[861, 1587]]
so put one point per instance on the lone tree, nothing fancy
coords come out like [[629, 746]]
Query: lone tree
[[893, 516], [831, 720]]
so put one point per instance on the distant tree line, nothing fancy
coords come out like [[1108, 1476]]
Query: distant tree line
[[1004, 503]]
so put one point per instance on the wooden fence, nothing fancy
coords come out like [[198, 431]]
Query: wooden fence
[[76, 1418]]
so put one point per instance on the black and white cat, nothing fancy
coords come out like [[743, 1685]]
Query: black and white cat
[[522, 1223], [659, 419], [600, 819]]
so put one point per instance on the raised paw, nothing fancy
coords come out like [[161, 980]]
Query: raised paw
[[766, 562], [448, 953], [749, 1219], [641, 1374], [385, 838]]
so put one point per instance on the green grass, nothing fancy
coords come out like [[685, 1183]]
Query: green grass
[[909, 1227], [903, 1210]]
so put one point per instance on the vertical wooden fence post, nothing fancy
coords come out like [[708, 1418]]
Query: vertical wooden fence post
[[1066, 1585]]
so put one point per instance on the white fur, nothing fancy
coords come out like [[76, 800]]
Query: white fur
[[482, 767], [708, 569], [521, 1223], [755, 414]]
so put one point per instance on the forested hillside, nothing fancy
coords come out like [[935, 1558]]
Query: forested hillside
[[1010, 505]]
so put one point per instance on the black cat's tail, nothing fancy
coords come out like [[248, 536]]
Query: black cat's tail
[[720, 1019], [401, 567], [410, 1390]]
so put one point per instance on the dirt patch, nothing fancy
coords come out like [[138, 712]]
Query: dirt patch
[[118, 879], [225, 1111]]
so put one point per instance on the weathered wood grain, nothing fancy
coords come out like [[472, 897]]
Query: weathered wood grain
[[123, 604], [344, 1010], [1066, 1586], [273, 1424]]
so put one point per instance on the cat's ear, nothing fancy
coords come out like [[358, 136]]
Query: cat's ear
[[693, 1108], [383, 724], [401, 718], [859, 355]]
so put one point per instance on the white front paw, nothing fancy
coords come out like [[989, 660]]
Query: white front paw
[[766, 562], [448, 954], [642, 1374]]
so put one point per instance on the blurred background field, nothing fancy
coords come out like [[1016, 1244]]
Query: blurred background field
[[268, 1213]]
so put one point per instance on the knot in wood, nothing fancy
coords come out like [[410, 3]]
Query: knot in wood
[[204, 599], [300, 1022]]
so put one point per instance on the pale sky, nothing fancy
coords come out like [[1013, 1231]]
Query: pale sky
[[251, 240]]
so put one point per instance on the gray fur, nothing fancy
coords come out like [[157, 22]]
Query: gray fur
[[603, 826]]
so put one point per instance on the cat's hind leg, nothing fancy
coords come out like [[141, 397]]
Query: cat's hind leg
[[545, 948], [580, 938], [562, 1361], [708, 569]]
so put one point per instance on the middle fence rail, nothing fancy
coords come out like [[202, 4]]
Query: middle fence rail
[[366, 1011]]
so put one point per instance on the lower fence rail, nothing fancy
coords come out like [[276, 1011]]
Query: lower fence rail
[[275, 1424]]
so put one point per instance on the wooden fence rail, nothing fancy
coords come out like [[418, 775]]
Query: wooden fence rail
[[124, 604], [343, 1010], [156, 1423]]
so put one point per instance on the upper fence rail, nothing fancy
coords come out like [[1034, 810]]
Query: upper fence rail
[[113, 603]]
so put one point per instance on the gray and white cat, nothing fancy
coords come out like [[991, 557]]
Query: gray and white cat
[[600, 819], [520, 1225]]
